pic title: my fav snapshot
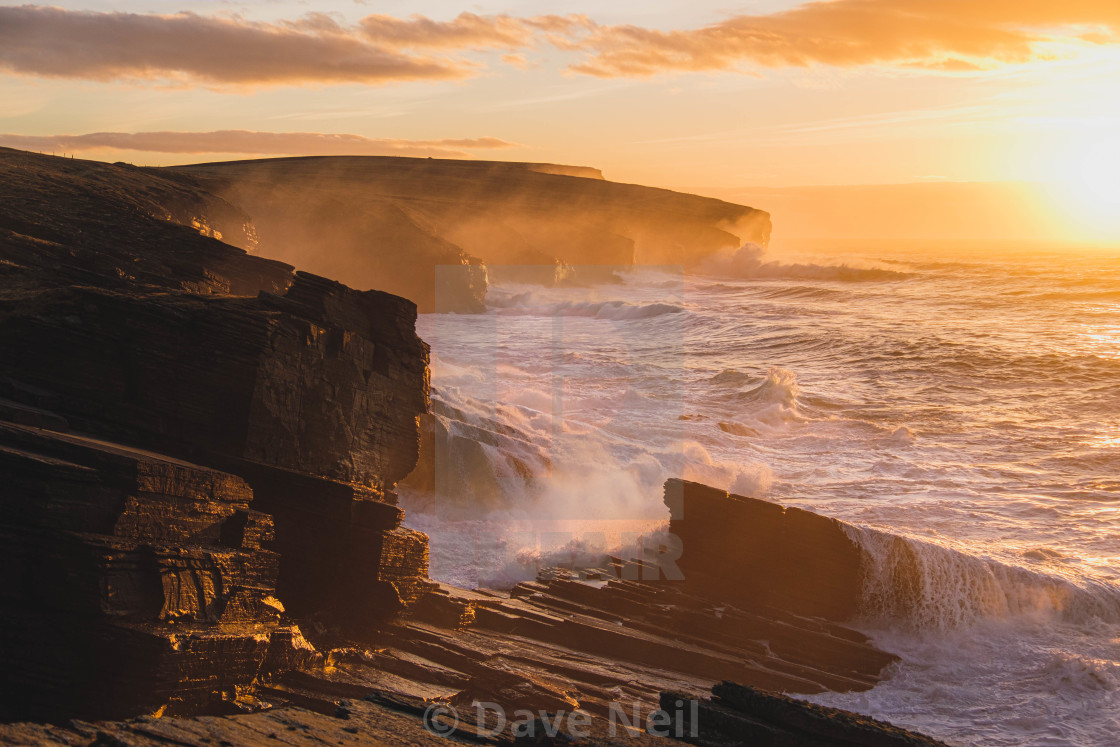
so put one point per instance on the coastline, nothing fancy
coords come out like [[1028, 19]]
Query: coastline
[[203, 447]]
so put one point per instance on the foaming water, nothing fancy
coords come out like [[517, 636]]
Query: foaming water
[[928, 586], [1006, 682], [961, 411]]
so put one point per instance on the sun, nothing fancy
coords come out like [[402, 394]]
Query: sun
[[1086, 183], [1097, 172]]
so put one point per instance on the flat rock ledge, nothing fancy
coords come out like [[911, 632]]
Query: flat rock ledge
[[741, 715]]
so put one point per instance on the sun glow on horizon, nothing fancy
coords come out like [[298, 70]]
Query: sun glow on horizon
[[1086, 185], [1068, 119]]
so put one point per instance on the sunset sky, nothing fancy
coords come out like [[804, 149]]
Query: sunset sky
[[706, 96]]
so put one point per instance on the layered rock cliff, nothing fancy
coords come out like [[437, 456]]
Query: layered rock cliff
[[198, 453], [132, 582], [275, 412], [425, 229], [65, 222]]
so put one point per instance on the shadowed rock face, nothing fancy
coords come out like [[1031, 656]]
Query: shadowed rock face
[[283, 408], [323, 380], [312, 397], [67, 222], [759, 554], [127, 576]]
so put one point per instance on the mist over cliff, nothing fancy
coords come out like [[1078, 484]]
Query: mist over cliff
[[389, 222]]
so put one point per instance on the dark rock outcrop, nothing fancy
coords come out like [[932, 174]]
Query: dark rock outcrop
[[762, 555], [199, 446], [738, 715], [128, 576], [312, 397], [345, 559], [323, 380], [608, 647]]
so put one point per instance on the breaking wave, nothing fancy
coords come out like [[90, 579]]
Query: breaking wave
[[928, 586], [530, 303], [749, 262]]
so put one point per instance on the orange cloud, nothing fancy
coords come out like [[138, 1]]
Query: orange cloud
[[467, 31], [246, 142], [471, 31], [935, 34], [54, 42]]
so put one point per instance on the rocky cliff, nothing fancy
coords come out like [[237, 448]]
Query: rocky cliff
[[132, 582], [201, 440], [425, 229], [65, 223], [391, 222], [198, 455]]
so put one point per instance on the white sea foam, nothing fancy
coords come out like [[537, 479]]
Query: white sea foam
[[925, 585]]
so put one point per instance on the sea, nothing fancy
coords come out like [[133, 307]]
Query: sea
[[958, 404]]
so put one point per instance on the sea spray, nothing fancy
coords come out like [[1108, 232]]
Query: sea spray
[[923, 585], [751, 261]]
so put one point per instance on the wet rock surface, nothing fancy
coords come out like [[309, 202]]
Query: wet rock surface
[[739, 715], [615, 650]]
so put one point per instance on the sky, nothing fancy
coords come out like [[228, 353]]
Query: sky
[[709, 96]]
